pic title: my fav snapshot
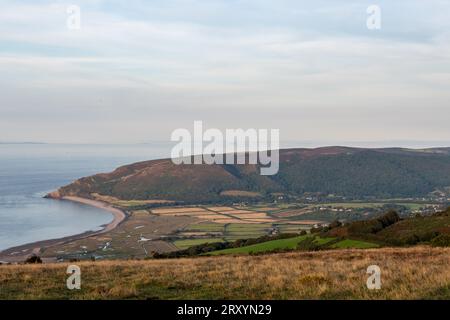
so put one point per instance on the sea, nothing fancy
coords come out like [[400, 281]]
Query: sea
[[28, 171]]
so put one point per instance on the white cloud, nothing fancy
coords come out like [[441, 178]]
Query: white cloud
[[159, 66]]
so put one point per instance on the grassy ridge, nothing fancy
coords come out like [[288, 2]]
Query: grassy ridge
[[407, 273], [352, 172], [347, 243], [389, 229], [381, 230]]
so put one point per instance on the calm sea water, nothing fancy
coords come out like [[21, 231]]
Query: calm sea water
[[29, 171]]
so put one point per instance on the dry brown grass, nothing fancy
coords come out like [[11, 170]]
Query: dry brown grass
[[220, 208], [211, 217], [256, 215], [193, 213], [126, 203], [407, 273], [262, 220], [236, 211], [178, 210], [231, 220]]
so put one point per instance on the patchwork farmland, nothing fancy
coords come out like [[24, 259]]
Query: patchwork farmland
[[225, 223], [152, 227], [167, 228]]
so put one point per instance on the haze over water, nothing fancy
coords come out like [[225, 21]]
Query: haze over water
[[29, 171]]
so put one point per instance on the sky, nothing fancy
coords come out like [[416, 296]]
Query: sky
[[137, 70]]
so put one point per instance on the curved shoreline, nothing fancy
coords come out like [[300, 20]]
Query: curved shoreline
[[118, 214], [21, 252]]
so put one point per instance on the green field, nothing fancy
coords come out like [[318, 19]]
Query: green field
[[281, 244], [184, 244], [292, 228], [292, 243], [322, 241], [232, 231], [413, 206], [347, 243], [237, 231], [206, 227], [229, 232]]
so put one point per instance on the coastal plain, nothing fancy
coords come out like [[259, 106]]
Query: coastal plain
[[142, 228]]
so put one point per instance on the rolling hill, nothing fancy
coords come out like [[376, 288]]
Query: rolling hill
[[390, 229], [351, 172]]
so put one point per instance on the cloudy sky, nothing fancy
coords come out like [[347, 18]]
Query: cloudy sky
[[137, 70]]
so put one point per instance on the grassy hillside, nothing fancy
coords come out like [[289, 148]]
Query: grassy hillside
[[343, 171], [356, 244], [389, 229], [280, 244], [301, 242], [406, 273]]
